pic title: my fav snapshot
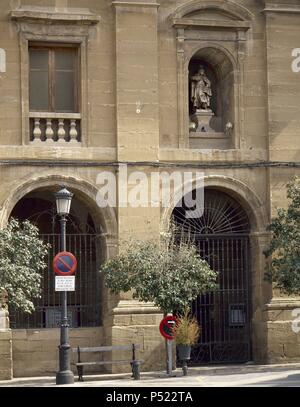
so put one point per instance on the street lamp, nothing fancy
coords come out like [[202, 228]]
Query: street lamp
[[64, 375]]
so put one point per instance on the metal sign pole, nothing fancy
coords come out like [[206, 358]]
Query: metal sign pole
[[166, 330], [169, 357], [170, 348], [64, 375]]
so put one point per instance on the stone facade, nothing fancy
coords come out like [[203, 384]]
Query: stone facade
[[134, 64]]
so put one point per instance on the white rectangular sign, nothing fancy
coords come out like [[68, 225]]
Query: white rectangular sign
[[64, 283]]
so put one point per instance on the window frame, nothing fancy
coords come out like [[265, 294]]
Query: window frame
[[69, 35], [51, 48], [53, 26]]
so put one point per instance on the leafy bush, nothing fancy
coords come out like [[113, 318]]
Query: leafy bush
[[21, 260], [283, 254], [168, 273]]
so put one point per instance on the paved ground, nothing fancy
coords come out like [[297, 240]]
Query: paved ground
[[213, 376]]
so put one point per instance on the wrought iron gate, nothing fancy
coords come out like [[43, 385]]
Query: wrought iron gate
[[224, 315], [221, 234], [83, 304]]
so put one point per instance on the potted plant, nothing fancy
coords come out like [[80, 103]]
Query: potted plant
[[186, 332]]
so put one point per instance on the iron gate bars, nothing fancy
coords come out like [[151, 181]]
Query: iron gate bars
[[84, 303], [221, 235], [224, 315]]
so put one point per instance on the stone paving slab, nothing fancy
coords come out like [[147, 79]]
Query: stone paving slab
[[204, 376]]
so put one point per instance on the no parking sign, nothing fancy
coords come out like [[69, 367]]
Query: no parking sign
[[166, 327], [64, 264]]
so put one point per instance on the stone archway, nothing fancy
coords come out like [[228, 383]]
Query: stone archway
[[40, 190], [84, 189], [85, 241], [236, 188], [253, 208], [42, 342], [221, 235]]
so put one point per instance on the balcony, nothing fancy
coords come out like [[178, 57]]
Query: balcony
[[60, 128]]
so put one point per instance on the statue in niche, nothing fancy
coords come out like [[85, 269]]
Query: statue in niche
[[201, 91]]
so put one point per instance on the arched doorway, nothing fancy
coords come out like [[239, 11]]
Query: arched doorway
[[84, 304], [221, 235]]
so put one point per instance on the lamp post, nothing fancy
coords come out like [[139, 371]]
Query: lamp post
[[64, 375]]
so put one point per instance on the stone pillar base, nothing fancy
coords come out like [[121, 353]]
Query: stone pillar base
[[136, 322], [202, 120], [282, 316], [6, 366]]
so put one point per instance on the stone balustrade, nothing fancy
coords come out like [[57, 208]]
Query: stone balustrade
[[55, 127]]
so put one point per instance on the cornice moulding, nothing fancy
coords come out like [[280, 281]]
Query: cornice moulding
[[282, 303], [197, 23], [281, 8], [119, 3], [54, 15]]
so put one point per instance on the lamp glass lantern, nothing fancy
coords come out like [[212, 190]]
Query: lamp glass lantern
[[63, 201]]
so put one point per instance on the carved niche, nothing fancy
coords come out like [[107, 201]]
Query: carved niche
[[212, 38]]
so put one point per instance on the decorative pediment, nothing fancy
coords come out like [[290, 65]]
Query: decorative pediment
[[214, 13], [211, 14]]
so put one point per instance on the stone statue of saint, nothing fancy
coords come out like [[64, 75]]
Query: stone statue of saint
[[201, 90]]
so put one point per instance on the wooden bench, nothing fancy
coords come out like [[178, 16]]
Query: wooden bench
[[134, 363]]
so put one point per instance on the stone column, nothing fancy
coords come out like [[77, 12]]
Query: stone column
[[261, 291], [137, 80], [136, 322], [275, 319], [137, 141], [6, 371], [137, 110]]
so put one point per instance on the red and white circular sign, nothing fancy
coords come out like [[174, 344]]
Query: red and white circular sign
[[64, 264], [166, 327]]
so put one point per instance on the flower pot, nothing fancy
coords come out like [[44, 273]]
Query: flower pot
[[184, 352]]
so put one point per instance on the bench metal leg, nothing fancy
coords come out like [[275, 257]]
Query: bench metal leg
[[80, 373], [135, 365]]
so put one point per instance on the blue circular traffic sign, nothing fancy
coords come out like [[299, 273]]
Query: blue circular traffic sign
[[64, 264]]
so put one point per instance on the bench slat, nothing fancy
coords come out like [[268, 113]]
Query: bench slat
[[106, 348], [105, 362]]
